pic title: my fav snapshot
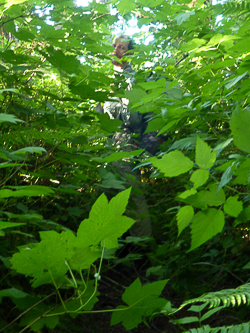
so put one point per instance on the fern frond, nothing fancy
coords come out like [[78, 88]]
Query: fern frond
[[241, 328], [226, 297], [234, 7]]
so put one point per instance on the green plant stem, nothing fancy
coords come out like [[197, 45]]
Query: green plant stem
[[58, 292], [23, 313]]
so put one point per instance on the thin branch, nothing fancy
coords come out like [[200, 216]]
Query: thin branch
[[23, 313], [14, 18], [93, 19], [185, 56]]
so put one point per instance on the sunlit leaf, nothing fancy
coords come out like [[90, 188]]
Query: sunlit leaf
[[203, 155], [233, 207], [199, 177], [205, 225], [173, 163], [240, 124], [184, 217]]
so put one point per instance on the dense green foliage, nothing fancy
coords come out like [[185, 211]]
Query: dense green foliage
[[59, 234]]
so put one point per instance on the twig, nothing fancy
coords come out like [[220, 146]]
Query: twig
[[93, 19], [185, 56], [14, 18], [23, 313]]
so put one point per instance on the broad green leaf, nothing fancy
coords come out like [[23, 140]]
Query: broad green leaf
[[193, 44], [9, 118], [243, 173], [203, 155], [183, 17], [47, 258], [141, 302], [203, 199], [243, 217], [187, 193], [155, 125], [12, 90], [167, 127], [110, 181], [67, 63], [106, 222], [233, 207], [26, 191], [4, 225], [229, 84], [122, 154], [10, 3], [7, 165], [222, 145], [199, 177], [184, 217], [172, 164], [205, 225], [82, 257], [31, 150], [125, 6], [35, 314], [12, 293], [109, 125], [225, 178], [240, 124], [153, 84]]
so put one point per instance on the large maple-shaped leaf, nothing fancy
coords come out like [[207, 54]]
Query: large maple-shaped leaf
[[141, 302], [46, 259], [106, 222]]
